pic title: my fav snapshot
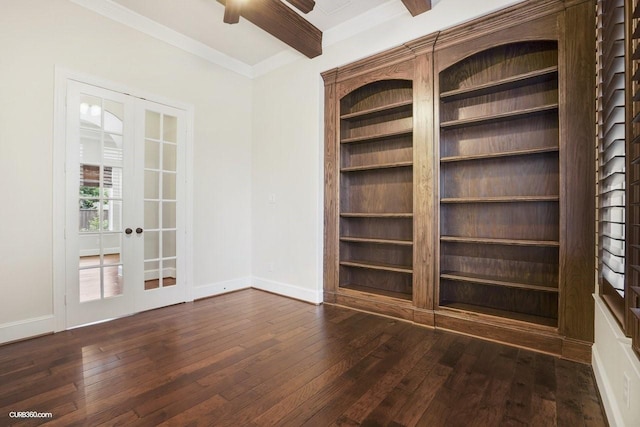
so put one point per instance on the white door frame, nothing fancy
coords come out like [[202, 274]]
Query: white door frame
[[62, 76]]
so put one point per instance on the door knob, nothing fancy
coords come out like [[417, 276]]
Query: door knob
[[139, 230], [128, 231]]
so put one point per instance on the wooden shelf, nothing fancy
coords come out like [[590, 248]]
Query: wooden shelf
[[636, 312], [383, 109], [376, 215], [378, 136], [495, 281], [502, 84], [511, 115], [376, 291], [376, 241], [528, 318], [377, 266], [499, 154], [377, 167], [502, 199], [506, 242]]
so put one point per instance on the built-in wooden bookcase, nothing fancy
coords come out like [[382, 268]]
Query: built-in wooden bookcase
[[459, 179], [376, 189], [499, 183]]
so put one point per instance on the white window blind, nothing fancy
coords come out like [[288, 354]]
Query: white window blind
[[611, 147]]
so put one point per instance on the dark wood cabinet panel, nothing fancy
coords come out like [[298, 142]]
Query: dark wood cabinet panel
[[505, 94], [450, 172], [375, 250]]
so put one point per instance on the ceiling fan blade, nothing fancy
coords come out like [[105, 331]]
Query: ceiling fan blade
[[279, 20]]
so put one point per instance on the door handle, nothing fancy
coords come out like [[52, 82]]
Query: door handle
[[128, 231], [139, 230]]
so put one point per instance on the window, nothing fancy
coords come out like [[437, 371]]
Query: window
[[611, 154], [618, 121], [633, 175]]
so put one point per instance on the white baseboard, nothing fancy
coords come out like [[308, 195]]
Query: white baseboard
[[613, 361], [287, 290], [45, 324], [26, 328], [611, 407], [218, 288]]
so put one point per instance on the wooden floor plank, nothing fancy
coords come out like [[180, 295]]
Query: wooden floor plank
[[252, 358], [499, 364], [519, 401], [408, 388]]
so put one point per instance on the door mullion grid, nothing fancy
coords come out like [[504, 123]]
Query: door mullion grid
[[160, 207], [101, 198]]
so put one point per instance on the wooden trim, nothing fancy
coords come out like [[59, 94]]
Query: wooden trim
[[424, 197], [629, 321], [544, 27], [424, 317], [517, 19], [378, 305], [616, 304], [332, 187], [423, 44], [383, 60], [369, 66], [509, 332], [284, 24], [577, 158], [576, 350], [506, 331]]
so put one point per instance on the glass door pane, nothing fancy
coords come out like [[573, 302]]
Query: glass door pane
[[100, 198], [160, 198]]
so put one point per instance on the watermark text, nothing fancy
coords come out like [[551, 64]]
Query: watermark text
[[30, 414]]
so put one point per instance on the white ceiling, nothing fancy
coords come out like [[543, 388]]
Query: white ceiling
[[201, 20]]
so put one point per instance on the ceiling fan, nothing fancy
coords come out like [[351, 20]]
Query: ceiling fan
[[279, 20]]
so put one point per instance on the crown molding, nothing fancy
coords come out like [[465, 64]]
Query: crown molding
[[372, 18], [116, 12], [121, 14], [276, 61]]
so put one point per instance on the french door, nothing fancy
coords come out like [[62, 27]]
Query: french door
[[125, 229]]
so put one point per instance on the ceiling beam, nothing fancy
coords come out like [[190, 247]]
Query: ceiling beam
[[416, 7], [282, 22], [304, 6], [232, 12]]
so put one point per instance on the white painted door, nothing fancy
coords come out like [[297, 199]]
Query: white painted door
[[124, 210], [159, 206]]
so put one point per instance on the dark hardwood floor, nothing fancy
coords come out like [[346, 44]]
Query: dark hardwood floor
[[254, 359]]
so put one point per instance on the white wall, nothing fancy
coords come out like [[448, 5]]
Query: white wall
[[288, 162], [37, 35], [613, 359], [248, 147], [288, 146]]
